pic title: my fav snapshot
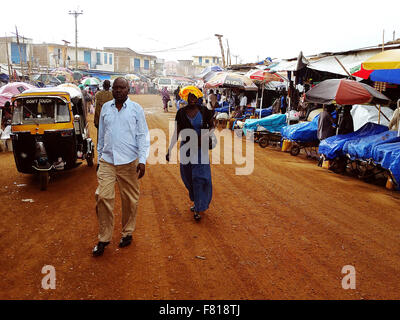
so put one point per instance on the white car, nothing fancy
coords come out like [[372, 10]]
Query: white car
[[166, 82]]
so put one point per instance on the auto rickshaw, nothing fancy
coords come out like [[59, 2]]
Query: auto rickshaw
[[50, 131]]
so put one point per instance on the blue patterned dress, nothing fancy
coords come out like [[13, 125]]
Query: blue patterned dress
[[197, 176]]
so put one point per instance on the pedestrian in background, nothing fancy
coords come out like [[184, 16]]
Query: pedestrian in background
[[165, 98], [101, 98]]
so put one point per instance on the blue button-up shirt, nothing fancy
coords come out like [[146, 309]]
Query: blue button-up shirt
[[123, 135]]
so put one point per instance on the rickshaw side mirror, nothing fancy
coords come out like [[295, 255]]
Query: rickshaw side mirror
[[77, 124]]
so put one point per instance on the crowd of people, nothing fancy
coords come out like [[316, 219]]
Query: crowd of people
[[142, 87]]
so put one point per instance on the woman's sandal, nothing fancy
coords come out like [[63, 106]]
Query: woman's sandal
[[192, 209]]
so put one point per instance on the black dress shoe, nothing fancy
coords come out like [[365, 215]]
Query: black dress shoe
[[197, 216], [125, 241], [98, 250]]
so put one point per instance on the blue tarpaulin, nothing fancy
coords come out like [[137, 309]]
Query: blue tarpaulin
[[223, 109], [388, 156], [301, 132], [362, 148], [273, 123], [332, 147], [264, 112], [371, 142]]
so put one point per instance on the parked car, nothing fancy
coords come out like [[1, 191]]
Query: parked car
[[166, 82]]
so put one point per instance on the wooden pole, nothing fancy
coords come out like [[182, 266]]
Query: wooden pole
[[19, 50], [379, 115], [219, 36], [344, 68], [257, 97], [31, 64], [380, 112], [228, 58], [262, 96], [8, 60]]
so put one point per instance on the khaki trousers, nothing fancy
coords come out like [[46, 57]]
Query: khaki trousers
[[128, 184]]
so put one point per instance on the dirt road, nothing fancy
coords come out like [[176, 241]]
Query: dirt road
[[283, 232]]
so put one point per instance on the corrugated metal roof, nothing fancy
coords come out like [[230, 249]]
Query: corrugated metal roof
[[330, 64]]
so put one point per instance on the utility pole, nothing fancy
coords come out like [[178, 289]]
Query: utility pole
[[66, 43], [219, 36], [76, 13], [236, 56]]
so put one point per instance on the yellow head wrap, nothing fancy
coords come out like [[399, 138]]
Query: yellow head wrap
[[184, 92]]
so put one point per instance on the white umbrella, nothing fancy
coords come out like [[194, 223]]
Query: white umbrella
[[91, 81]]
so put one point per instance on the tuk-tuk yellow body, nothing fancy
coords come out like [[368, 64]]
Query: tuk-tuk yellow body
[[50, 130]]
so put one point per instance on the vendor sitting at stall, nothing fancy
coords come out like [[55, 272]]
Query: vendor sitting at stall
[[235, 115]]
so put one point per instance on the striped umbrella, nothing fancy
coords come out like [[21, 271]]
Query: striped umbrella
[[230, 80], [383, 67], [344, 92], [263, 76]]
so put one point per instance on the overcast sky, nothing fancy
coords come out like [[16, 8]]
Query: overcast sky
[[255, 29]]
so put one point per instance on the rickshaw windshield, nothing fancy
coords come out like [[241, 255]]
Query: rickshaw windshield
[[32, 110]]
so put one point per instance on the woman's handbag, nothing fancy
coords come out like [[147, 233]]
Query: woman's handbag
[[212, 140]]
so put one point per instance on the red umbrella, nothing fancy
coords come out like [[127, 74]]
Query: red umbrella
[[345, 92], [262, 75]]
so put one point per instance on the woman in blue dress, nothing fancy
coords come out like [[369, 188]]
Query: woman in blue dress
[[193, 123]]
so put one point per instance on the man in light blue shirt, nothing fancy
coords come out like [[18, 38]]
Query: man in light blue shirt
[[123, 148]]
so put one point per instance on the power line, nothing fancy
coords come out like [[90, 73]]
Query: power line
[[179, 47]]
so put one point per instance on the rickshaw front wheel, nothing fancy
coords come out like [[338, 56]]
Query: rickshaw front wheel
[[44, 180], [89, 158]]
